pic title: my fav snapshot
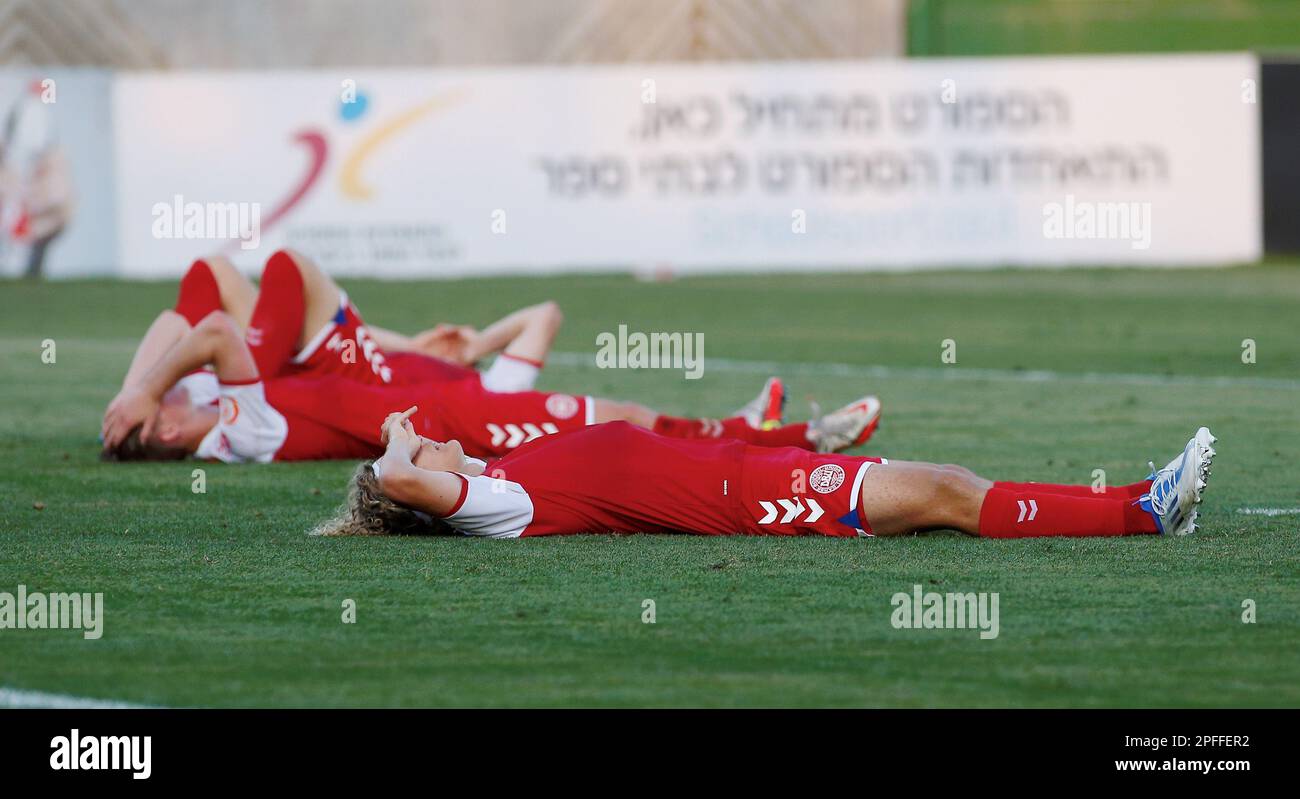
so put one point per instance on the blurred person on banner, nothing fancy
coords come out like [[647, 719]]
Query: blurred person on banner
[[36, 197]]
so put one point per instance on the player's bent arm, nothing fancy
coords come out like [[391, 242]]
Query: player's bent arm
[[527, 333], [161, 336], [237, 297], [435, 493], [215, 341]]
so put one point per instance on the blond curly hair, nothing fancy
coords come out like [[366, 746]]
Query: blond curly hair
[[367, 511]]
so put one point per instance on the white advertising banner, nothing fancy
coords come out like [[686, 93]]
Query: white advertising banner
[[846, 165]]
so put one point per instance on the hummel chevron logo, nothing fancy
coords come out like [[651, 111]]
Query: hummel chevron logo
[[793, 510], [1032, 509], [512, 435], [710, 428]]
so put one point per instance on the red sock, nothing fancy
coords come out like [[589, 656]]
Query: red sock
[[1132, 490], [1010, 512], [787, 435], [790, 435], [198, 295], [276, 324]]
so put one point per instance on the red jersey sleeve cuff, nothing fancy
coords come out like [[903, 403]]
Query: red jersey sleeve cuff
[[464, 492], [529, 361]]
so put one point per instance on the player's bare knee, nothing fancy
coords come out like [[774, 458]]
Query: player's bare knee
[[549, 316], [218, 323], [230, 281], [940, 496], [551, 311], [962, 495], [222, 268]]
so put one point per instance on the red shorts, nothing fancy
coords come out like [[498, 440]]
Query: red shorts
[[489, 424], [342, 348], [790, 491]]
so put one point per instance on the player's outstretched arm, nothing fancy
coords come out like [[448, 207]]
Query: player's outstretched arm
[[400, 480], [215, 341]]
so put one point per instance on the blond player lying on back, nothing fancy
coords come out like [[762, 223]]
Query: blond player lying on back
[[617, 478]]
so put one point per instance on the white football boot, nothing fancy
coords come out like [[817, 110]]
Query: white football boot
[[765, 411], [850, 426], [1177, 489]]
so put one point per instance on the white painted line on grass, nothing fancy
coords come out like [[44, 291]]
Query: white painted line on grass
[[578, 359], [16, 698], [1269, 511]]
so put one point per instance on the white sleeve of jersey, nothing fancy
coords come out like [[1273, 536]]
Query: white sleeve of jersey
[[493, 508], [248, 429], [202, 386]]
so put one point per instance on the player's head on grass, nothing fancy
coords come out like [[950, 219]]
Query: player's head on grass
[[368, 511], [177, 428]]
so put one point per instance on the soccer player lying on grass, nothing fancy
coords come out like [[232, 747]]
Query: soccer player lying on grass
[[616, 478], [327, 416], [302, 323]]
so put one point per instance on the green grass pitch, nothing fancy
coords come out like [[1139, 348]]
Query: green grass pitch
[[222, 599]]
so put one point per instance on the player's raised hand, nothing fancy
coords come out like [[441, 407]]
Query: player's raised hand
[[445, 341], [133, 406], [469, 338], [108, 412], [398, 425]]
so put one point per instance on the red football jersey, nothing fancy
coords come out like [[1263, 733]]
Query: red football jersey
[[319, 418], [618, 478]]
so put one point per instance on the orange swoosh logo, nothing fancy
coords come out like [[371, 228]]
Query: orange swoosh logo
[[350, 181]]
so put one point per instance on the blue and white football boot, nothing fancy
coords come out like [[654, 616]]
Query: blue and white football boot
[[1176, 490]]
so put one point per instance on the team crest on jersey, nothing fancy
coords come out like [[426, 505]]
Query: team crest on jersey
[[561, 406], [229, 410], [826, 478]]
